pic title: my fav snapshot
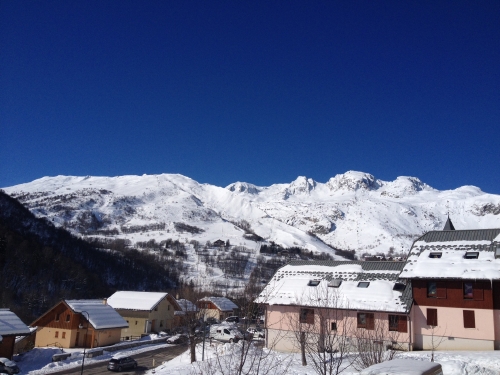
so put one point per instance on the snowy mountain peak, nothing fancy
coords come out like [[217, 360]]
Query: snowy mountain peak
[[353, 180], [243, 187], [302, 185], [404, 185]]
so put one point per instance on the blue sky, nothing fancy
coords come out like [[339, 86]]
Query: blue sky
[[256, 91]]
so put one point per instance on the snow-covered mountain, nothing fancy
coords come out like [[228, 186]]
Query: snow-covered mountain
[[353, 210]]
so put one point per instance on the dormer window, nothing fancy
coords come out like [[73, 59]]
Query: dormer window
[[399, 287], [313, 282], [471, 255], [363, 284], [335, 283], [436, 254], [497, 253]]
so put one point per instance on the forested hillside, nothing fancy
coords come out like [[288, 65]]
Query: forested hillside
[[40, 264]]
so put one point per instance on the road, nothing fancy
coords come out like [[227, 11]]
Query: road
[[144, 361]]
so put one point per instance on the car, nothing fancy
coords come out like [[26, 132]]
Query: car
[[404, 366], [121, 362], [257, 332], [177, 339], [8, 366], [233, 319]]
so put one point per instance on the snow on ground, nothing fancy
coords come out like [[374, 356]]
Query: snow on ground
[[38, 361], [453, 363]]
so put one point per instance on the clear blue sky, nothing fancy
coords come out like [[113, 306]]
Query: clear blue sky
[[256, 91]]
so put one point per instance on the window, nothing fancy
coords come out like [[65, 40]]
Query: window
[[473, 291], [57, 317], [366, 320], [399, 287], [64, 335], [363, 284], [469, 319], [335, 283], [432, 317], [334, 326], [57, 334], [161, 323], [168, 307], [398, 323], [156, 308], [68, 318], [471, 255], [306, 316], [435, 255], [136, 322], [436, 289], [313, 282]]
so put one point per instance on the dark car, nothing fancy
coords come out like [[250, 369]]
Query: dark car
[[177, 339], [232, 319], [121, 363], [8, 366]]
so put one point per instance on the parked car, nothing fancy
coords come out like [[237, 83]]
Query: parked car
[[119, 363], [257, 332], [177, 339], [233, 319], [225, 333], [403, 366], [8, 366]]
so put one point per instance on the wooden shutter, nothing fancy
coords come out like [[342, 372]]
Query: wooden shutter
[[469, 319], [441, 289], [310, 316], [370, 321], [432, 317], [478, 291], [402, 324]]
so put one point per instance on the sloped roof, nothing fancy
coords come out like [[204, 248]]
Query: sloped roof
[[222, 303], [10, 324], [143, 301], [291, 286], [187, 305], [449, 225], [100, 315], [448, 258]]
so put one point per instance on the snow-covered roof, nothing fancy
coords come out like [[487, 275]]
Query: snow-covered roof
[[457, 254], [222, 303], [10, 324], [336, 284], [186, 305], [100, 315], [144, 301]]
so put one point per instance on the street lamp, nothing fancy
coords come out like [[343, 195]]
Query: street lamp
[[85, 337]]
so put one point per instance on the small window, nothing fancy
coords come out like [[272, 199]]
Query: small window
[[335, 283], [432, 317], [306, 316], [468, 290], [57, 317], [435, 254], [313, 282], [161, 323], [399, 287], [471, 255], [168, 307], [363, 284], [431, 289], [398, 323], [334, 326], [366, 320], [68, 318], [57, 334], [64, 335], [226, 331], [136, 322], [497, 253], [469, 319]]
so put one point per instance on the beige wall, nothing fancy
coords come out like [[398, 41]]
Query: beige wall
[[282, 321], [107, 337], [46, 336], [162, 318], [451, 329]]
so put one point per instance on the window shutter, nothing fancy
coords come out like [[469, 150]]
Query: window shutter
[[370, 321], [469, 319], [441, 289], [402, 324], [310, 316], [432, 317], [478, 292]]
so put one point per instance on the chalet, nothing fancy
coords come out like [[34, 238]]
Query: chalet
[[79, 323], [10, 327], [455, 275], [217, 307], [219, 243], [352, 299], [145, 312]]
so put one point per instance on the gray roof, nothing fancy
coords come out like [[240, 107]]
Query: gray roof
[[366, 266], [449, 225], [10, 324], [460, 235], [100, 315], [222, 303]]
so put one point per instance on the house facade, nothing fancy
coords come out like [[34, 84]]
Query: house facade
[[455, 276], [217, 307], [349, 299], [79, 324], [145, 312], [10, 327]]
